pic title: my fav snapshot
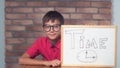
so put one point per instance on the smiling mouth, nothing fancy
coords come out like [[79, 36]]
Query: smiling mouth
[[52, 34]]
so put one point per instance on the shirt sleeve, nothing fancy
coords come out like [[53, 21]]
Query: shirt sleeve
[[33, 51]]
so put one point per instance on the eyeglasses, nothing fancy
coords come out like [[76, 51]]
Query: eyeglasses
[[55, 28]]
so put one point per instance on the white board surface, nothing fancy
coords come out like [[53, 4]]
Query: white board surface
[[88, 45]]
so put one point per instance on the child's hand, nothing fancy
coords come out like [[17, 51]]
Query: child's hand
[[54, 63]]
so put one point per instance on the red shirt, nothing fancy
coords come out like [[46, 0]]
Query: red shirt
[[42, 46]]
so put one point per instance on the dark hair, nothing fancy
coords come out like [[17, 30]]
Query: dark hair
[[53, 15]]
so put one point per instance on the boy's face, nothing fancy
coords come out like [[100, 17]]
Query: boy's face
[[52, 29]]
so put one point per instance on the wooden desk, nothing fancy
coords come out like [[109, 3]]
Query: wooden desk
[[33, 66]]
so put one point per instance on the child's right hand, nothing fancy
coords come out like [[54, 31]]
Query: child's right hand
[[53, 63]]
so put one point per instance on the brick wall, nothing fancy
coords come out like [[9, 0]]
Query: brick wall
[[23, 20]]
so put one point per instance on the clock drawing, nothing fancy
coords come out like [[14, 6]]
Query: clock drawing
[[86, 56]]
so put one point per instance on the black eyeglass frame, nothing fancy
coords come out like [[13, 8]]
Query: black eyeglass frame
[[51, 27]]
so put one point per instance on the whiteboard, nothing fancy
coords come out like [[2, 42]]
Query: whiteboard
[[88, 45]]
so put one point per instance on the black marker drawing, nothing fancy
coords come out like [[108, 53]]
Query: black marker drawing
[[77, 37], [72, 34], [92, 44], [88, 46], [102, 42], [87, 56]]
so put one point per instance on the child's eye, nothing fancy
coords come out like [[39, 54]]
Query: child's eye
[[47, 26]]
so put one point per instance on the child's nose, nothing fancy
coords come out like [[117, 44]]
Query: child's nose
[[51, 28]]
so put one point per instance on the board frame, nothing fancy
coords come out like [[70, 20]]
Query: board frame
[[88, 26]]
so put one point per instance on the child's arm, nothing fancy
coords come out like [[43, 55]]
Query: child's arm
[[25, 59]]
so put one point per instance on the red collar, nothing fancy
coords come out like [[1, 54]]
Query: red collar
[[57, 45]]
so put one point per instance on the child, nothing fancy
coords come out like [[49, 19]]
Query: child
[[49, 46]]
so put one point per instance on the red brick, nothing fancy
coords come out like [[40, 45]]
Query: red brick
[[23, 10], [21, 47], [15, 16], [80, 4], [101, 4], [37, 22], [12, 4], [87, 10], [8, 9], [84, 22], [15, 41], [104, 22], [91, 23], [36, 3], [8, 47], [81, 16], [67, 21], [30, 40], [22, 22], [35, 16], [68, 4], [23, 34], [102, 16], [56, 3], [45, 9], [15, 28], [66, 16], [38, 34], [11, 59], [8, 34], [66, 10], [18, 53], [8, 22], [34, 28], [105, 10]]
